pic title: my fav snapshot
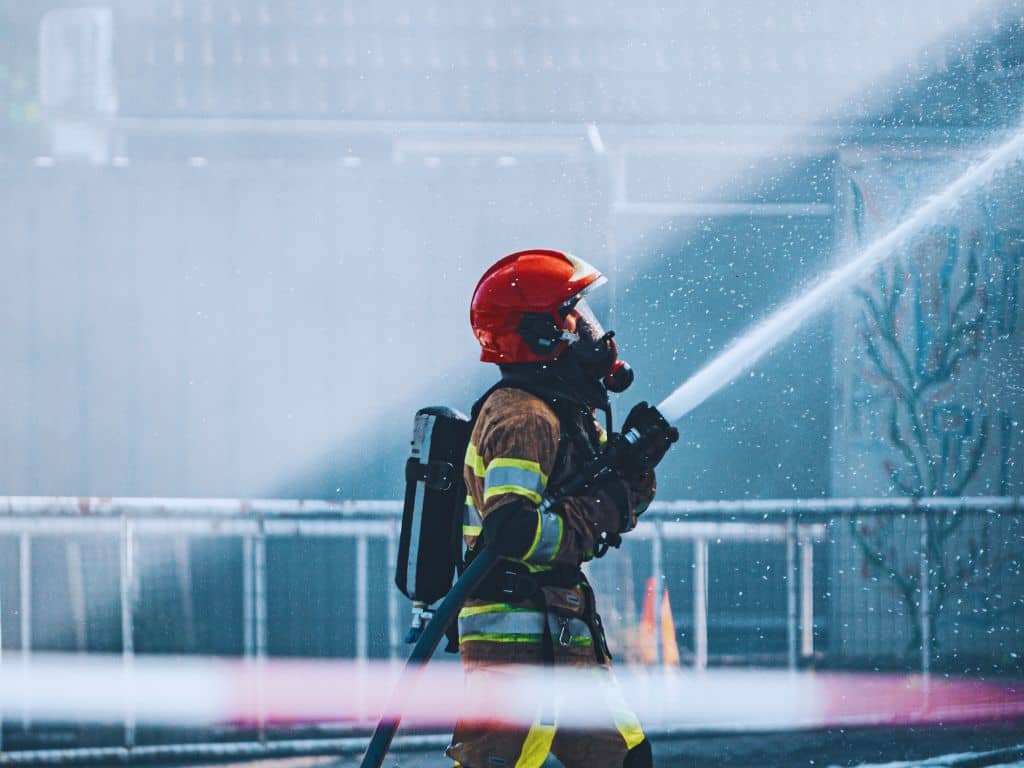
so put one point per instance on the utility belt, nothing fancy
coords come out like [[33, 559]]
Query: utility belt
[[553, 593]]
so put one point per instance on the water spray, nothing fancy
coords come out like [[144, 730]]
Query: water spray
[[745, 351], [203, 691], [738, 357]]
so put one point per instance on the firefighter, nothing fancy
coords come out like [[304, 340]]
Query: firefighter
[[536, 428]]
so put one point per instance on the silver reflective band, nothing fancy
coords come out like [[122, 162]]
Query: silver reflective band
[[501, 477], [519, 623], [422, 435], [549, 539], [471, 515]]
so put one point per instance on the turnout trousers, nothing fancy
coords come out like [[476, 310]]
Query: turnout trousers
[[589, 725]]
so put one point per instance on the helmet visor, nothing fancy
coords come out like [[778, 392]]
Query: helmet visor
[[588, 327]]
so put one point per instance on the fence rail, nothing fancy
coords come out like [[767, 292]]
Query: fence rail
[[824, 508], [814, 566]]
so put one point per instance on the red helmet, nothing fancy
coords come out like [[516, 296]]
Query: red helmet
[[529, 308], [536, 289]]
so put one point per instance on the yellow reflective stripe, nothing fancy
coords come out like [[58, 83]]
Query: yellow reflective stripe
[[524, 464], [516, 490], [631, 732], [536, 536], [506, 624], [536, 746], [474, 462], [626, 722], [472, 523], [547, 539], [495, 637], [536, 568]]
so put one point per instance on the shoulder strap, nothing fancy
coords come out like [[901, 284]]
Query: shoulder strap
[[474, 412]]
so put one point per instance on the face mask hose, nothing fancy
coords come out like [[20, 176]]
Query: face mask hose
[[600, 359]]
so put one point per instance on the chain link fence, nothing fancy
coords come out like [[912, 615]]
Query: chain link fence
[[839, 583]]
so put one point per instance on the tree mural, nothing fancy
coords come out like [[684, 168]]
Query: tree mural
[[924, 324], [917, 335]]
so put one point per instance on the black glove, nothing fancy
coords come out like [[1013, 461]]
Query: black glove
[[654, 436]]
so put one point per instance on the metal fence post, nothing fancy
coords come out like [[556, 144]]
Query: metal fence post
[[127, 627], [656, 575], [2, 708], [791, 616], [259, 557], [76, 593], [362, 603], [925, 604], [183, 570], [806, 596], [25, 618], [254, 613], [248, 608], [700, 604], [392, 593]]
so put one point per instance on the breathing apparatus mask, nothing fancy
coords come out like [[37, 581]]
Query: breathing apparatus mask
[[593, 348]]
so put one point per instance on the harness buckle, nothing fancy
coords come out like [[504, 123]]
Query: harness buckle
[[564, 635]]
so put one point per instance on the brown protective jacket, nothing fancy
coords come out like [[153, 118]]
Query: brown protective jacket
[[517, 450]]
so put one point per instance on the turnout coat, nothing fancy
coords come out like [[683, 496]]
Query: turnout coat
[[519, 448]]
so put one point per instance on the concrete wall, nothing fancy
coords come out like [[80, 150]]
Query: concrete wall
[[188, 330]]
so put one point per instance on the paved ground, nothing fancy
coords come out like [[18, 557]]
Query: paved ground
[[809, 749], [863, 746]]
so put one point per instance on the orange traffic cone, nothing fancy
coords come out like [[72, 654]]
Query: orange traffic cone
[[669, 646], [648, 639]]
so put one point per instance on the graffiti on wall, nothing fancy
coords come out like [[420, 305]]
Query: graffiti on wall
[[929, 354], [933, 349]]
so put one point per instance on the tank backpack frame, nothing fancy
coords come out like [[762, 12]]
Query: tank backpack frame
[[430, 541]]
